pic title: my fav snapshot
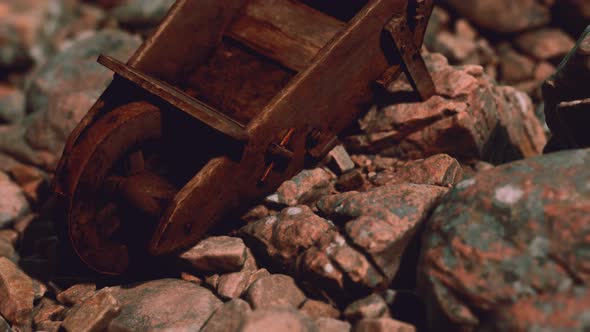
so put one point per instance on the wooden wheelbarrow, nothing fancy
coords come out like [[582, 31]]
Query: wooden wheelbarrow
[[225, 101]]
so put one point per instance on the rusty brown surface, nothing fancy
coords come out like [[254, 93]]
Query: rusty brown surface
[[152, 167]]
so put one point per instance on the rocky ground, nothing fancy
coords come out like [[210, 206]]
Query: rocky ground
[[446, 216]]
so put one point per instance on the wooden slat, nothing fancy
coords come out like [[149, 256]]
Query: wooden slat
[[286, 31], [185, 38], [178, 99]]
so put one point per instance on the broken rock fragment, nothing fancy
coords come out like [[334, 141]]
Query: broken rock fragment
[[383, 220], [438, 170], [469, 118], [94, 314], [383, 325], [76, 294], [17, 294], [372, 306], [304, 187], [228, 317], [275, 290], [216, 254], [284, 236]]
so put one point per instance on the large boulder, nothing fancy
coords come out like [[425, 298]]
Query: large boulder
[[507, 250], [470, 117]]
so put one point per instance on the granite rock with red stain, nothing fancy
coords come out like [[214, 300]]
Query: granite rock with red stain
[[470, 117], [163, 305], [383, 220], [513, 243], [284, 236], [303, 188]]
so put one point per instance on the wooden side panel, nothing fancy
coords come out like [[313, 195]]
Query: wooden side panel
[[286, 31], [185, 38]]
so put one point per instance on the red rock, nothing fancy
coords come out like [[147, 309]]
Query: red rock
[[515, 67], [256, 213], [383, 220], [275, 290], [48, 310], [370, 307], [166, 304], [454, 47], [332, 325], [544, 44], [9, 236], [216, 254], [76, 294], [232, 285], [508, 243], [383, 325], [303, 188], [317, 309], [439, 170], [284, 236], [48, 326], [13, 203], [277, 319], [94, 314], [504, 16], [229, 317], [17, 294], [470, 118], [464, 29], [353, 180]]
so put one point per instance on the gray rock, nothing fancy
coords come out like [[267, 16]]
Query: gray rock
[[60, 93], [12, 105]]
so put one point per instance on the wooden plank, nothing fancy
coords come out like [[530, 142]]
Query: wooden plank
[[286, 31], [186, 37], [415, 67], [178, 99]]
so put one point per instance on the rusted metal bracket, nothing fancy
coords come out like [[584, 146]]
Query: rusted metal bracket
[[148, 170]]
